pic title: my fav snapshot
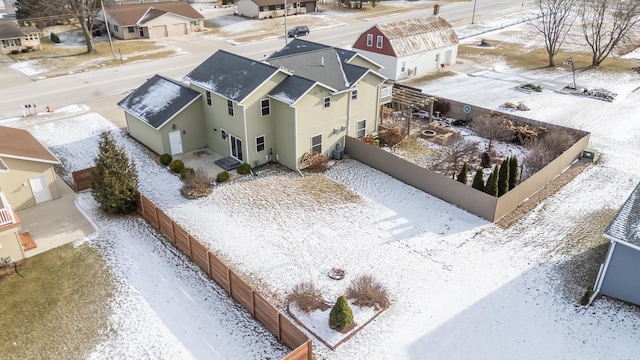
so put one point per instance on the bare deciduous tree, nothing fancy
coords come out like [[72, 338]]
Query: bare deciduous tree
[[606, 24], [456, 152], [493, 126], [556, 21]]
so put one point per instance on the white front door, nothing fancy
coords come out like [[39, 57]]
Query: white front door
[[40, 189], [447, 57], [175, 142]]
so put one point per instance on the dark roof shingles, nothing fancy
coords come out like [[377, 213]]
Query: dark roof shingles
[[129, 15], [626, 224], [20, 143]]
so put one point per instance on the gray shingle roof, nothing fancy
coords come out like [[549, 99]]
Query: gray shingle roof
[[230, 75], [321, 65], [626, 224], [10, 30], [291, 89], [132, 14], [298, 46], [158, 100]]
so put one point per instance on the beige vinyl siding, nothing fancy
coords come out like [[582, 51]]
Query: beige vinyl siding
[[247, 8], [258, 125], [10, 244], [190, 123], [168, 22], [15, 183], [314, 119], [150, 137], [365, 106], [284, 141], [359, 61]]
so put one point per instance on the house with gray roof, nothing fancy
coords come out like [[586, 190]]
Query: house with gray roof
[[152, 20], [14, 38], [304, 98], [618, 276], [160, 115], [411, 47], [264, 9]]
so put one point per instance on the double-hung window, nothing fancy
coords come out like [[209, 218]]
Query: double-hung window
[[230, 107], [369, 40], [316, 144], [354, 94], [361, 128], [265, 108], [379, 42], [327, 102], [209, 102], [260, 143]]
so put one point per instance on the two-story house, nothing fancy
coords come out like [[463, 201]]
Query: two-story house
[[303, 98]]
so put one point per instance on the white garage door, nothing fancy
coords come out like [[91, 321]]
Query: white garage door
[[179, 29], [157, 32]]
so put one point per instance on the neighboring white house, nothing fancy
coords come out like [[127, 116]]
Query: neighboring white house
[[410, 48], [10, 7], [263, 9], [153, 20], [618, 276]]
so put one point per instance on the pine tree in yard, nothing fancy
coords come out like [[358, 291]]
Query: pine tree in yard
[[478, 180], [492, 183], [114, 183], [341, 315], [503, 178], [513, 172], [462, 175]]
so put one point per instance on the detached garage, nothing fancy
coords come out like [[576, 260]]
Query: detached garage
[[618, 277], [166, 116]]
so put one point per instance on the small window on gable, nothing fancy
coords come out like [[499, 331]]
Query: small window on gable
[[402, 67], [260, 143], [316, 144], [115, 28], [354, 94], [327, 102], [265, 108], [361, 128], [379, 42], [209, 102], [230, 107], [369, 40]]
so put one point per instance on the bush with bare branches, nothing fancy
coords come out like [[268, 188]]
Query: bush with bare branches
[[493, 126], [558, 141], [391, 137], [314, 162], [545, 149], [366, 291], [197, 184], [369, 140], [307, 297]]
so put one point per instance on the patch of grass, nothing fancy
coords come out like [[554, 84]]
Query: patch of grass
[[414, 150], [59, 309], [429, 77], [520, 56]]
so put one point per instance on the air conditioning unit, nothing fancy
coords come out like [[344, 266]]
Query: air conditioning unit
[[590, 154]]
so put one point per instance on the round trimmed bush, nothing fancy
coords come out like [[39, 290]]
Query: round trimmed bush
[[54, 38], [244, 168], [222, 176], [176, 166], [165, 159]]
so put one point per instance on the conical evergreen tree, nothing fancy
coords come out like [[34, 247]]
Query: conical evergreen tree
[[503, 178], [478, 180], [114, 183], [462, 175], [341, 315], [491, 187], [513, 172]]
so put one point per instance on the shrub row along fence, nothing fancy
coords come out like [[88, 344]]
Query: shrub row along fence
[[476, 202], [82, 179], [260, 309]]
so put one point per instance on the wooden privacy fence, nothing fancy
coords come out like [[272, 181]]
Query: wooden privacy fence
[[260, 309], [82, 179]]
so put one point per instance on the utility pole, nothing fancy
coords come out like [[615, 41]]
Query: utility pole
[[573, 71], [106, 24], [473, 15], [285, 23]]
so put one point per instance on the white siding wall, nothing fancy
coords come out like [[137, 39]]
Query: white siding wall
[[247, 8]]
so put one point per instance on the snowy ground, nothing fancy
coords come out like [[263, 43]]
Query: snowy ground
[[460, 287]]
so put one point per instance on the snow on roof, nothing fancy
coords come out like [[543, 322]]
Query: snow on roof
[[625, 225], [158, 100], [291, 89], [230, 75]]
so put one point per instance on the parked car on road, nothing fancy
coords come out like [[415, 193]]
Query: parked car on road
[[299, 30]]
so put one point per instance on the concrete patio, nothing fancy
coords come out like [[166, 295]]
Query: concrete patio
[[204, 158]]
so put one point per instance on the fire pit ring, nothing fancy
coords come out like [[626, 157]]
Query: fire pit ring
[[428, 133]]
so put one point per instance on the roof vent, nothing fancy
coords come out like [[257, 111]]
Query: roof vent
[[436, 10], [322, 61]]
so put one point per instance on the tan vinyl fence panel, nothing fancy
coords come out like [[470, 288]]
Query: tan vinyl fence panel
[[260, 309], [456, 193], [82, 179]]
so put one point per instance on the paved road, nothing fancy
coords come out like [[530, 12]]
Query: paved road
[[102, 89]]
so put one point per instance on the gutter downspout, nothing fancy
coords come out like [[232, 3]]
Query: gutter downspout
[[295, 138], [244, 120], [602, 273], [378, 109]]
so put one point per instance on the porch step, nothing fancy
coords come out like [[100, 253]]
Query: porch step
[[27, 241]]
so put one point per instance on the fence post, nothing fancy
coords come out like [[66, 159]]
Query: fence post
[[309, 350], [157, 217], [229, 282], [279, 328], [253, 304], [189, 239]]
